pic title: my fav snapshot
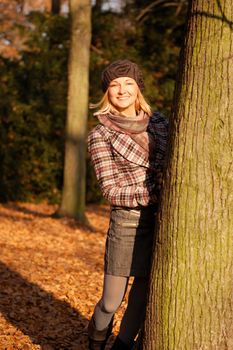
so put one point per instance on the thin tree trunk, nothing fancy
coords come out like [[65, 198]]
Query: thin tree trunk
[[55, 7], [98, 5], [73, 198], [190, 304]]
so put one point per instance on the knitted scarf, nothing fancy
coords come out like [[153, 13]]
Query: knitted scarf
[[135, 127]]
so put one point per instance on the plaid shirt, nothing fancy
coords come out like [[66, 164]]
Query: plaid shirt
[[125, 175]]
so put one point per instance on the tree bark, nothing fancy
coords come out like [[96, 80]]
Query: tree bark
[[190, 304], [98, 5], [73, 196], [55, 7]]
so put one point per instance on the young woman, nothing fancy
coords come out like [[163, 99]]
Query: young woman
[[127, 150]]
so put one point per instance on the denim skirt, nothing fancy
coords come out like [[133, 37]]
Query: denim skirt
[[129, 241]]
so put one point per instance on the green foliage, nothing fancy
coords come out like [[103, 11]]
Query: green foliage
[[33, 111], [159, 36], [34, 88]]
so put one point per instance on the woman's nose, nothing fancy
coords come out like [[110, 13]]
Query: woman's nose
[[122, 89]]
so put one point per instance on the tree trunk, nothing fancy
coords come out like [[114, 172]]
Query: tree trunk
[[55, 7], [98, 5], [73, 197], [190, 303]]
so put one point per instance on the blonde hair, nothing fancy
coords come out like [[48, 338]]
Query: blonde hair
[[105, 106]]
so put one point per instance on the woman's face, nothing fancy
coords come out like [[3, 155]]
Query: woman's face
[[122, 93]]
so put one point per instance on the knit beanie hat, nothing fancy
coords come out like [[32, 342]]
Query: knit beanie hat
[[121, 68]]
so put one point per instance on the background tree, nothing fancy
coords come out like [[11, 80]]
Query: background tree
[[191, 292], [74, 188], [55, 7]]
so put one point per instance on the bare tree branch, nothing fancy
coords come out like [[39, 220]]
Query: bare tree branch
[[162, 3]]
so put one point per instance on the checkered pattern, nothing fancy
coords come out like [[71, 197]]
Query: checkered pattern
[[126, 177]]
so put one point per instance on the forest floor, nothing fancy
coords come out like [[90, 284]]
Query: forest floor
[[51, 273]]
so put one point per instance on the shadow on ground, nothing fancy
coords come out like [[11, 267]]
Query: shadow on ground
[[49, 322]]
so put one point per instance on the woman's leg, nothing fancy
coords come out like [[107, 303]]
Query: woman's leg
[[113, 293], [135, 311]]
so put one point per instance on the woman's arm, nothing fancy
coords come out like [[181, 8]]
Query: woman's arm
[[107, 176]]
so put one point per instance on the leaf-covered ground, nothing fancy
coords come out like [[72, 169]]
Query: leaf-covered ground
[[51, 273]]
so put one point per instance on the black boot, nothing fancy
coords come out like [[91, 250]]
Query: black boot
[[120, 345], [98, 339]]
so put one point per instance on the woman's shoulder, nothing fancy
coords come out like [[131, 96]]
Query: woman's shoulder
[[158, 118], [99, 131], [158, 124]]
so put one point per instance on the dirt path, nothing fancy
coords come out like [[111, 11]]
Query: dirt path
[[50, 277]]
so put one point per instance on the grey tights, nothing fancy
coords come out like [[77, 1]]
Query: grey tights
[[113, 294]]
